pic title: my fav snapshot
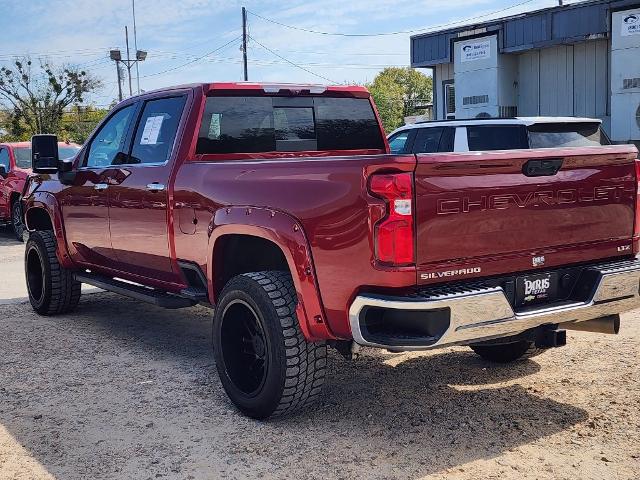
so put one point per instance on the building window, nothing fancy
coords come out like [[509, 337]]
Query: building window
[[449, 100]]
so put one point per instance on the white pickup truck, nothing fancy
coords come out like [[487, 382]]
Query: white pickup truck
[[485, 134]]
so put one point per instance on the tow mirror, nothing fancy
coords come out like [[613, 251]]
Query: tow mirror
[[3, 171], [44, 154]]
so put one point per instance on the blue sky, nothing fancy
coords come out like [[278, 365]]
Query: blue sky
[[176, 32]]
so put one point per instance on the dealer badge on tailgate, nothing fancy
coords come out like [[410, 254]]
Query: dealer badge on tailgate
[[534, 289]]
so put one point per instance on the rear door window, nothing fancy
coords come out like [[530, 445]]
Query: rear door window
[[270, 124], [579, 134], [497, 137], [156, 131], [434, 139], [398, 142]]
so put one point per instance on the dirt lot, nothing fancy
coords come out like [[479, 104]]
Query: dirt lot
[[122, 390]]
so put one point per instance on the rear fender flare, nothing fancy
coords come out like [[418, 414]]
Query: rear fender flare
[[287, 233], [47, 202]]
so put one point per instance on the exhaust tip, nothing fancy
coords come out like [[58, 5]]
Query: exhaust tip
[[609, 325]]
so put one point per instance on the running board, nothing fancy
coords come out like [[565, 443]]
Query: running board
[[137, 292]]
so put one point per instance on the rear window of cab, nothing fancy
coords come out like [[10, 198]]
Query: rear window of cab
[[287, 124], [538, 135]]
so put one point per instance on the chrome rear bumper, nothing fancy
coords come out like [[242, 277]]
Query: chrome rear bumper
[[485, 313]]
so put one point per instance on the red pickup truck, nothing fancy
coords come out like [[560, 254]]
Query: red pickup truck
[[281, 206], [15, 167]]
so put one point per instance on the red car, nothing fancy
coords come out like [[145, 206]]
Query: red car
[[15, 167], [281, 207]]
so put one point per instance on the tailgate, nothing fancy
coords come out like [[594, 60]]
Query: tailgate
[[479, 214]]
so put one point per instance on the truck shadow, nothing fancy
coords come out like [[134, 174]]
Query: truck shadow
[[128, 378], [7, 237]]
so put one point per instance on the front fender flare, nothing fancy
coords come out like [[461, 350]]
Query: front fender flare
[[47, 202], [287, 233]]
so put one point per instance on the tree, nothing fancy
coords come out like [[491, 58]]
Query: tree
[[37, 96], [79, 122], [399, 92]]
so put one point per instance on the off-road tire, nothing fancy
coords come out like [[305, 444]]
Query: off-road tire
[[52, 288], [508, 352], [16, 220], [294, 368]]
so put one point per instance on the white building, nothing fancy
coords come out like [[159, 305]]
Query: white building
[[577, 60]]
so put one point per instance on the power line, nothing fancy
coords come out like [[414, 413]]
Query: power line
[[415, 30], [292, 63], [194, 60], [369, 66]]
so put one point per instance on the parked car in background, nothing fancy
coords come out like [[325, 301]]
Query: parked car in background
[[487, 134], [281, 207], [15, 167]]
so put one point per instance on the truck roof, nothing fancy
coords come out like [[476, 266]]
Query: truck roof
[[498, 121], [266, 88]]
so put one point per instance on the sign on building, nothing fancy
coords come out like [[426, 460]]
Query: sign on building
[[630, 24], [479, 50]]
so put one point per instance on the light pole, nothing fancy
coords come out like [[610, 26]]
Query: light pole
[[116, 55]]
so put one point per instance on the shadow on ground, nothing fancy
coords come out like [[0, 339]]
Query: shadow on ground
[[7, 237], [122, 390]]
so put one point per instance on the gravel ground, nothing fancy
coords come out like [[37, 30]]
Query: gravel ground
[[122, 390], [126, 391]]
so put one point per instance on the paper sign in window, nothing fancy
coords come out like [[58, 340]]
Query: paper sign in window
[[214, 126], [151, 130]]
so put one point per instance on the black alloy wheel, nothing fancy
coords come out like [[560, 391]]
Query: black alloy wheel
[[244, 347], [265, 364]]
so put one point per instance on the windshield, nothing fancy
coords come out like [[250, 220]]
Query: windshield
[[579, 134], [23, 154]]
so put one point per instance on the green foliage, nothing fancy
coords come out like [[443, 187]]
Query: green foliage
[[79, 122], [399, 92], [38, 96]]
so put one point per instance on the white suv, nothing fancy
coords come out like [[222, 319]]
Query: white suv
[[497, 134]]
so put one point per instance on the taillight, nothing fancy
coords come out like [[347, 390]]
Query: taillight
[[393, 234]]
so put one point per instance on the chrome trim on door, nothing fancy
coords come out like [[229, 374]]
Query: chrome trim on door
[[100, 186]]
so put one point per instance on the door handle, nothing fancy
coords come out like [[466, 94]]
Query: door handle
[[155, 187], [100, 186]]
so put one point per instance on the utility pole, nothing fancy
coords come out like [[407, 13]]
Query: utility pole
[[135, 42], [119, 82], [244, 43], [128, 63]]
